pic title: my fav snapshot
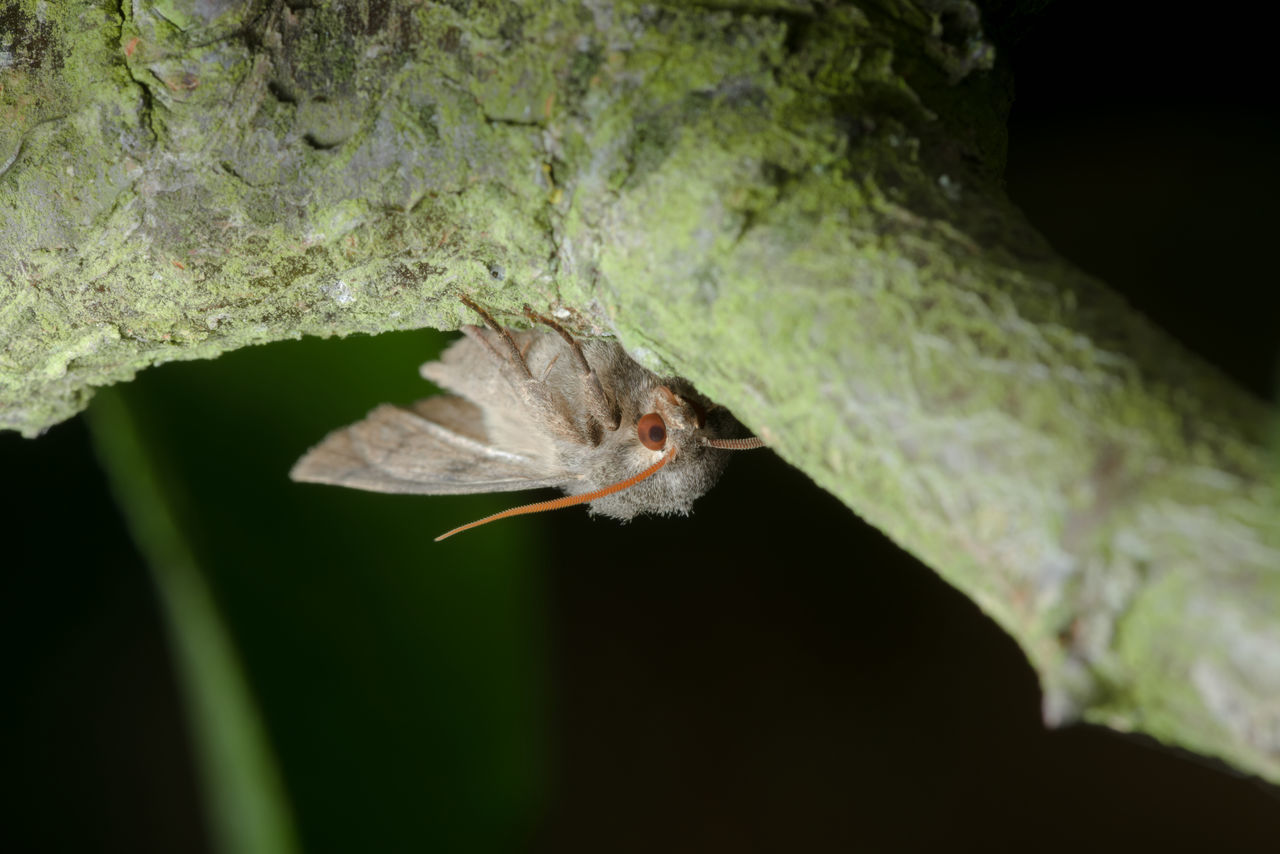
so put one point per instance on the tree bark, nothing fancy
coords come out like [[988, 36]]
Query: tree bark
[[795, 205]]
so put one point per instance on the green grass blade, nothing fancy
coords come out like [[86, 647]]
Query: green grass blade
[[244, 798]]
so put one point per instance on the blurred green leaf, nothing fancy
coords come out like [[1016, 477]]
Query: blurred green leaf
[[245, 801]]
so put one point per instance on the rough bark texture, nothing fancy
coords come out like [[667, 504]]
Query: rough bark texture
[[794, 204]]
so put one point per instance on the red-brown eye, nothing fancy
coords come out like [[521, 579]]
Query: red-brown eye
[[653, 431]]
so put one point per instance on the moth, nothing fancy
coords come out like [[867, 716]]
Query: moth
[[538, 408]]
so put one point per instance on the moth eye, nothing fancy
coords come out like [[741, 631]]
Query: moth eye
[[653, 431]]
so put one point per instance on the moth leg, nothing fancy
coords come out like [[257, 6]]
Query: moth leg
[[546, 373], [603, 410], [476, 333], [536, 393], [513, 350]]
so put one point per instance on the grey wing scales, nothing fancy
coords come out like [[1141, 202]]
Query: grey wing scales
[[438, 447], [527, 416]]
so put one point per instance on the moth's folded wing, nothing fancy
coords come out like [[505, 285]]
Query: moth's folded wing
[[477, 372], [439, 447], [526, 417]]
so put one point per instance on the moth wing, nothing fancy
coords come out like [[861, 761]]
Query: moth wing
[[524, 415], [455, 414], [437, 447]]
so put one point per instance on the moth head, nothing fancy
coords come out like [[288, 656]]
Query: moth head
[[670, 420], [685, 421], [676, 432]]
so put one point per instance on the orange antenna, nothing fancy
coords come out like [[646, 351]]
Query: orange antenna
[[568, 500], [735, 444]]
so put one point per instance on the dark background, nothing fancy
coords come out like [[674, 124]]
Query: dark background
[[771, 674]]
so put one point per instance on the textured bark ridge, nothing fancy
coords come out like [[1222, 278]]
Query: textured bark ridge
[[794, 204]]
